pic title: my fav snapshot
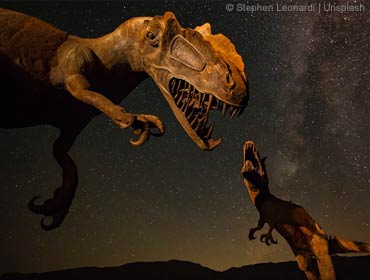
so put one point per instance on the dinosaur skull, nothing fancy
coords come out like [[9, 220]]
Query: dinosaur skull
[[253, 168], [196, 72]]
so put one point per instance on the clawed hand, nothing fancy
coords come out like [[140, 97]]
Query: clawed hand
[[140, 123], [268, 239]]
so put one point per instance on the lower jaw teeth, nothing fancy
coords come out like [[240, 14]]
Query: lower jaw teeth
[[209, 131]]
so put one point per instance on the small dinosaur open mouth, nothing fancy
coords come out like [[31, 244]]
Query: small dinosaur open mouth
[[253, 167], [251, 163], [196, 105]]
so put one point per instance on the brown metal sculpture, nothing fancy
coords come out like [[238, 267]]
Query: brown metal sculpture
[[309, 243], [50, 77]]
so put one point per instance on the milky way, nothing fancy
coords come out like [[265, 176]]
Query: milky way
[[308, 113]]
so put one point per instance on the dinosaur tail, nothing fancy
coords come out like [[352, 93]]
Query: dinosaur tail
[[339, 246]]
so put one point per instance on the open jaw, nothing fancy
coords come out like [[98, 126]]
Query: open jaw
[[191, 107], [252, 168]]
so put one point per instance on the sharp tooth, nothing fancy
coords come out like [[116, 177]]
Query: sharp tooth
[[193, 91], [231, 112], [197, 95], [209, 104], [224, 109], [210, 130], [179, 101], [190, 115], [202, 98], [177, 95], [189, 88], [173, 84], [197, 127], [179, 85], [193, 121], [234, 112], [183, 106], [188, 100], [204, 121]]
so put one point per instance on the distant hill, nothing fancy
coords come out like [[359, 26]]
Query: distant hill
[[346, 268]]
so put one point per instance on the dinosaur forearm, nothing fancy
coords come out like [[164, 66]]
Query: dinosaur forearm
[[78, 86]]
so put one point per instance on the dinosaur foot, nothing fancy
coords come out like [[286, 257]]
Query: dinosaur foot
[[55, 208], [251, 234], [268, 239]]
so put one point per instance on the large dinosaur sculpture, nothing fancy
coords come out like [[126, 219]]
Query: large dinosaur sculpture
[[50, 77], [309, 243]]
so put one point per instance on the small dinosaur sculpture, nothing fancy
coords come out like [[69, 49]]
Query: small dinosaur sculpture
[[50, 77], [309, 243]]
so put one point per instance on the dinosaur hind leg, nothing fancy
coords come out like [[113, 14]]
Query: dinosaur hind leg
[[58, 206], [320, 248], [306, 264]]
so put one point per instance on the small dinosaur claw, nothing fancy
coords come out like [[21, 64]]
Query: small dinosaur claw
[[251, 235], [142, 126], [268, 239], [56, 208], [57, 219], [155, 122], [263, 238], [35, 208], [141, 140], [47, 227]]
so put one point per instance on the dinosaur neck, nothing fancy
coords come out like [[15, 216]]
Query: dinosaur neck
[[120, 48], [256, 192]]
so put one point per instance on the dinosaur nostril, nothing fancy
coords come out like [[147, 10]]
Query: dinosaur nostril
[[228, 78]]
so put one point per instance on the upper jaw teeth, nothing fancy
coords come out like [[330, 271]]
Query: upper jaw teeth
[[196, 106]]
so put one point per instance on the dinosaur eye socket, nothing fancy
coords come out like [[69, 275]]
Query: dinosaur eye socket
[[150, 35], [153, 41], [185, 53]]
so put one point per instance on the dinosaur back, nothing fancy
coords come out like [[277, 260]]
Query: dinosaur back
[[29, 43]]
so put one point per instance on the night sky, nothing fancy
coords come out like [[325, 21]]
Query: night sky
[[309, 113]]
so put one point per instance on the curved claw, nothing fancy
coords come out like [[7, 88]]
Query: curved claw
[[142, 128], [155, 122], [263, 238], [268, 239], [46, 227], [44, 209], [57, 220], [55, 208], [251, 234], [141, 140], [32, 206]]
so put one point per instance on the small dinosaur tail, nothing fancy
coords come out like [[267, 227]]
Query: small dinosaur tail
[[339, 246]]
